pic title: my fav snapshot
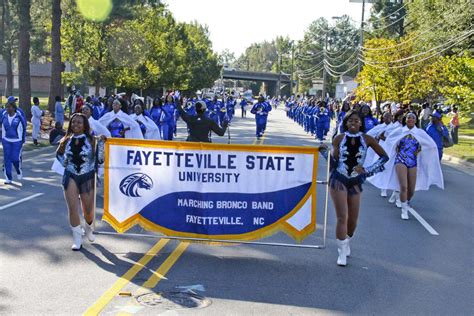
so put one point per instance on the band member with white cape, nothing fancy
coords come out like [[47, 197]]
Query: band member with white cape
[[413, 163], [148, 128], [120, 124], [97, 129]]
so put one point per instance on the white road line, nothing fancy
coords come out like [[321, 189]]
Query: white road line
[[422, 221], [20, 201]]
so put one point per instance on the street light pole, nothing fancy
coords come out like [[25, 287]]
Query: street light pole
[[292, 66], [279, 74], [324, 69], [361, 39]]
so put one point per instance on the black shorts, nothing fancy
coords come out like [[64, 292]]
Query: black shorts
[[84, 182], [339, 182]]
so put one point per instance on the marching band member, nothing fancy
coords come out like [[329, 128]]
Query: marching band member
[[95, 126], [413, 164], [168, 119], [367, 118], [200, 126], [261, 110], [36, 114], [378, 133], [243, 107], [78, 154], [13, 126], [120, 124], [147, 126], [157, 114], [347, 177]]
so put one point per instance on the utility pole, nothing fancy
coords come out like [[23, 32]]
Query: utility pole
[[361, 40], [292, 66], [279, 74], [324, 69]]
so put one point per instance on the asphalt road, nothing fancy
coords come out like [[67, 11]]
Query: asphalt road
[[397, 267]]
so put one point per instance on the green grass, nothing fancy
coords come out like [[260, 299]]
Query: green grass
[[463, 150]]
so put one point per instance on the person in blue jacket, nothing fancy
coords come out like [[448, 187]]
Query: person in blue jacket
[[322, 124], [168, 118], [214, 109], [346, 107], [13, 126], [58, 110], [368, 119], [230, 106], [261, 110], [437, 131], [156, 113], [243, 106]]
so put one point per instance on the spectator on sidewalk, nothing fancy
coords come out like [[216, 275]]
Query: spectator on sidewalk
[[56, 133]]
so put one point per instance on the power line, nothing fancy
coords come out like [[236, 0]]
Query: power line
[[446, 17], [463, 35], [393, 13], [418, 61]]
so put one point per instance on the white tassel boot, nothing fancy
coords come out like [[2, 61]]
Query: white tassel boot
[[77, 233], [348, 253], [393, 197], [405, 208], [383, 193], [90, 231], [342, 250]]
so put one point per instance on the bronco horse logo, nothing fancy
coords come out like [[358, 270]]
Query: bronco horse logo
[[130, 184]]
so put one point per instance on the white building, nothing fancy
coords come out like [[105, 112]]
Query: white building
[[345, 86]]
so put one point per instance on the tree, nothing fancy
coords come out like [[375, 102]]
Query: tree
[[203, 62], [438, 21], [387, 19], [56, 64], [457, 75], [227, 58], [330, 48], [23, 9], [8, 34]]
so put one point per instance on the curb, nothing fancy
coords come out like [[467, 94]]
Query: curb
[[458, 163]]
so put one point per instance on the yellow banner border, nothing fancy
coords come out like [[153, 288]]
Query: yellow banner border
[[280, 225]]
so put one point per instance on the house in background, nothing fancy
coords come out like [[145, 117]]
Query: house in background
[[40, 75], [344, 87]]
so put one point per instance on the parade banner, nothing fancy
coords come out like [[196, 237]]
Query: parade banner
[[213, 191]]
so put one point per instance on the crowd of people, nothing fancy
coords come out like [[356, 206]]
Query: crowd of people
[[395, 153], [400, 150]]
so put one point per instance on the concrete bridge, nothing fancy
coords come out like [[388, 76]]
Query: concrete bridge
[[273, 81]]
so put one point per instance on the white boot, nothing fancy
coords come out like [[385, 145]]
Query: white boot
[[90, 231], [383, 193], [393, 197], [77, 233], [348, 253], [405, 208], [342, 250], [398, 203]]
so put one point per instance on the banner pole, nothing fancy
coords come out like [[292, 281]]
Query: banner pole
[[210, 240], [326, 200]]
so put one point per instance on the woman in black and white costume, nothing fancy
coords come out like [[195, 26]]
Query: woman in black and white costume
[[413, 164], [347, 177], [120, 124], [148, 128], [79, 153]]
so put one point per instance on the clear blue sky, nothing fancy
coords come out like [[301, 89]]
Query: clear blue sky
[[235, 24]]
